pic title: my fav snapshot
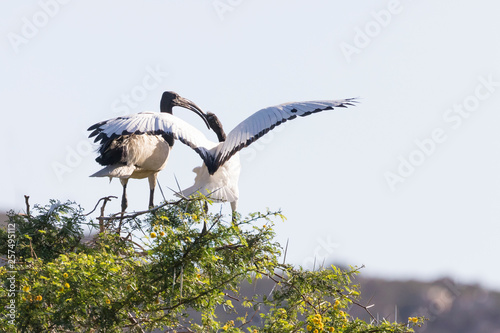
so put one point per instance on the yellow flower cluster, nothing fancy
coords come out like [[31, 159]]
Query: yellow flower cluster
[[228, 325], [31, 299], [413, 320], [318, 322], [343, 315], [27, 289], [156, 230]]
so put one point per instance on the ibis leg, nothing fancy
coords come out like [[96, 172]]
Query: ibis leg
[[205, 209], [151, 196], [152, 184], [234, 215], [124, 182]]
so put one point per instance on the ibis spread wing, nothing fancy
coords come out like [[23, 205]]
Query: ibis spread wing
[[154, 124], [265, 120]]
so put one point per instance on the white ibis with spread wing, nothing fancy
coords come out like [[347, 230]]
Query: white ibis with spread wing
[[219, 174]]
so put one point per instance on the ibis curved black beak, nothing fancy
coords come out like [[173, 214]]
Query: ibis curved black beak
[[170, 99], [187, 104]]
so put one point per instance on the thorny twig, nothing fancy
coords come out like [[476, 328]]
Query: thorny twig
[[176, 330], [134, 322], [232, 297], [33, 253], [134, 215], [249, 320], [101, 218], [105, 199]]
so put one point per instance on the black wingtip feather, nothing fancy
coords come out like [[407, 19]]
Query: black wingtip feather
[[94, 126], [95, 132], [101, 136]]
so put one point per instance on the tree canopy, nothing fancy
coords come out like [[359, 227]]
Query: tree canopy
[[175, 268]]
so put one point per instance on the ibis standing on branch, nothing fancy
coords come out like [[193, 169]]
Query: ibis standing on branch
[[135, 146], [218, 176]]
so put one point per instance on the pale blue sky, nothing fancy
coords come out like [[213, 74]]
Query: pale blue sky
[[424, 71]]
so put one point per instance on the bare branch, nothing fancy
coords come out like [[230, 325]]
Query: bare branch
[[101, 218], [95, 207], [134, 322], [134, 215], [249, 320], [26, 200], [232, 297]]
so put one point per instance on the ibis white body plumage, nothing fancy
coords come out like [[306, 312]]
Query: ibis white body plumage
[[220, 186], [147, 155]]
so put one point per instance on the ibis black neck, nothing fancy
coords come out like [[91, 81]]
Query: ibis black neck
[[216, 126]]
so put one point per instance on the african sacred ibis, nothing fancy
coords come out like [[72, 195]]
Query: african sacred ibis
[[219, 174], [136, 146]]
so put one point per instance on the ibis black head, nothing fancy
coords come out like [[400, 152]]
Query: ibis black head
[[169, 99]]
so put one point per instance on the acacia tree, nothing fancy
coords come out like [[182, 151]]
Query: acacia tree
[[173, 268]]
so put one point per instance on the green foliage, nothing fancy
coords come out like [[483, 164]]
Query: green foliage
[[172, 269], [55, 230]]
